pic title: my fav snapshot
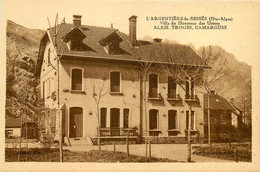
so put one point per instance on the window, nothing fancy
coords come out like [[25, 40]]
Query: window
[[43, 90], [103, 116], [46, 88], [172, 120], [49, 56], [153, 119], [114, 118], [76, 79], [78, 45], [172, 88], [113, 47], [190, 91], [192, 120], [115, 82], [153, 86], [126, 118]]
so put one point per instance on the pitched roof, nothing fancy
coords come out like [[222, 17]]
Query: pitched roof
[[216, 102], [181, 54], [94, 35], [15, 122]]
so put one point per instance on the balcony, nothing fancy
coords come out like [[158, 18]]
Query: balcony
[[118, 132], [171, 97], [154, 96], [191, 98]]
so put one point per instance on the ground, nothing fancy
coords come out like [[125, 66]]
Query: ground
[[237, 151], [171, 152], [52, 155]]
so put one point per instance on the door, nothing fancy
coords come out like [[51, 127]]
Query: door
[[114, 122], [76, 122]]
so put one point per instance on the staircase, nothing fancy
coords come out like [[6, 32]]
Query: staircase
[[79, 141]]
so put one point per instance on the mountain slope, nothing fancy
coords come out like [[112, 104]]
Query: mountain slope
[[22, 46], [235, 81]]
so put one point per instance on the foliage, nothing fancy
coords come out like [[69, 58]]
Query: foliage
[[222, 151], [52, 155]]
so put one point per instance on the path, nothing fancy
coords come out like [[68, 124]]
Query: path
[[171, 151]]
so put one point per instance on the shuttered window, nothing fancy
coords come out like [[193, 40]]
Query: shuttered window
[[172, 88], [172, 119], [114, 81], [153, 119], [103, 117], [126, 118], [76, 79], [114, 118], [192, 120], [153, 86]]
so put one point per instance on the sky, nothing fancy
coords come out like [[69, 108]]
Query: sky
[[241, 37]]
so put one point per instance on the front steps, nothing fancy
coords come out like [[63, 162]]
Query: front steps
[[78, 141]]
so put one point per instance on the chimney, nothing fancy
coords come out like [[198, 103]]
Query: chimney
[[157, 40], [132, 29], [77, 20]]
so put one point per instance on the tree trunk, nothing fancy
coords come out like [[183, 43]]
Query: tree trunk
[[189, 137], [127, 144], [150, 150], [59, 110], [145, 113], [209, 142], [99, 144]]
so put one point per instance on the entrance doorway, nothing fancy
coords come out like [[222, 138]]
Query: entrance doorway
[[76, 122]]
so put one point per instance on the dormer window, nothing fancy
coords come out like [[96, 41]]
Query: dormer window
[[74, 40], [111, 43], [113, 47], [77, 45]]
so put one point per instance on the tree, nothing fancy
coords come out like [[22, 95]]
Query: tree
[[210, 77], [99, 90], [171, 60], [145, 65]]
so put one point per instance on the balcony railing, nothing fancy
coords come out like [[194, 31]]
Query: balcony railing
[[173, 97], [108, 132], [154, 96], [191, 97]]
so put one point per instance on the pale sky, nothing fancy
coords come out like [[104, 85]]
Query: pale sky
[[242, 38]]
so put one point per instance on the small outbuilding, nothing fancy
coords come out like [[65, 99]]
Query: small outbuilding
[[13, 128], [221, 114]]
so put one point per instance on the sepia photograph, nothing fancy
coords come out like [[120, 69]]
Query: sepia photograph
[[110, 85]]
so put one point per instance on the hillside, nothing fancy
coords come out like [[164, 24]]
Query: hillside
[[21, 55], [235, 80]]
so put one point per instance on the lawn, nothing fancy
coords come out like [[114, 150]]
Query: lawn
[[223, 151], [52, 155]]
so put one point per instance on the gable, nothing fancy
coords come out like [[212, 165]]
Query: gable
[[75, 33]]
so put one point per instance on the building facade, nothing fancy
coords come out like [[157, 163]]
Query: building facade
[[94, 76]]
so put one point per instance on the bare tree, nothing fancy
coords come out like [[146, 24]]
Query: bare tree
[[171, 59], [99, 89], [145, 64], [210, 77], [58, 54]]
